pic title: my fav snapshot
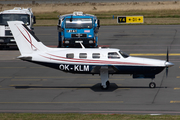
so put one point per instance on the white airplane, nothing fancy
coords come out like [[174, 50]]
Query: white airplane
[[103, 61]]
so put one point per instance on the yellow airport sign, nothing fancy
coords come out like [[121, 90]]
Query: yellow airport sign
[[130, 19]]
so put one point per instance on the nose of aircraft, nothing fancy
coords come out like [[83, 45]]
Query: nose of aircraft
[[169, 64]]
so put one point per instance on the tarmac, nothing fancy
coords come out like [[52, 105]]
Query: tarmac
[[29, 88]]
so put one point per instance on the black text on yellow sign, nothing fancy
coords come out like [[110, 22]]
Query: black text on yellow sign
[[130, 19]]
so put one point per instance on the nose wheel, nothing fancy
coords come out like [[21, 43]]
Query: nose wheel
[[152, 85]]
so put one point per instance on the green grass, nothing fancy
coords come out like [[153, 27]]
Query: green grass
[[108, 15], [152, 17], [74, 116]]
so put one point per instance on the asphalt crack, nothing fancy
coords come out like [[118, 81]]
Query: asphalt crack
[[159, 87], [57, 96], [165, 68]]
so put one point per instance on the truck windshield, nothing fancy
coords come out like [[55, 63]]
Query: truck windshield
[[14, 17], [78, 23]]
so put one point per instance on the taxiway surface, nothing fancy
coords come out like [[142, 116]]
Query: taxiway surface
[[27, 87]]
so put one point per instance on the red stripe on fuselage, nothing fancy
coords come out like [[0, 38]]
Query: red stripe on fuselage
[[90, 60]]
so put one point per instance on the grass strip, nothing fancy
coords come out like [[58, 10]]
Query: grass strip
[[76, 116], [151, 17], [109, 15]]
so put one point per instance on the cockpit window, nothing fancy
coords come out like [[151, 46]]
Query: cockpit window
[[125, 55], [113, 55]]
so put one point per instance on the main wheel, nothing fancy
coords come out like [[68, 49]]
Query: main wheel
[[152, 85], [107, 86]]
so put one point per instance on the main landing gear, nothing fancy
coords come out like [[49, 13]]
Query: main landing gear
[[105, 82], [152, 84], [104, 77]]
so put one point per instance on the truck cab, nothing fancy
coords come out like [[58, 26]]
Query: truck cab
[[16, 14], [78, 27]]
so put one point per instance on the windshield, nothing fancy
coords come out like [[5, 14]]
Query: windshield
[[14, 17], [78, 23], [125, 55]]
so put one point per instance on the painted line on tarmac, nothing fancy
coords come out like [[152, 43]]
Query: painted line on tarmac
[[46, 77], [11, 67], [176, 88], [174, 101], [28, 79], [89, 111], [56, 77], [38, 67], [89, 85], [63, 102], [109, 79], [154, 54], [21, 85], [124, 88], [5, 77], [21, 67]]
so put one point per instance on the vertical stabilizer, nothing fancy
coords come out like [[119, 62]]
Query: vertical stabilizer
[[26, 41]]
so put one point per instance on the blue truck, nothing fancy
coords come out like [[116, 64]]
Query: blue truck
[[78, 27]]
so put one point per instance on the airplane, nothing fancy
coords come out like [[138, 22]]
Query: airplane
[[102, 61]]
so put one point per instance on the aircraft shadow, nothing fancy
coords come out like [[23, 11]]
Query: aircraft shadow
[[95, 88]]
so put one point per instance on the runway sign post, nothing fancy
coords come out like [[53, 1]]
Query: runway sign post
[[130, 19]]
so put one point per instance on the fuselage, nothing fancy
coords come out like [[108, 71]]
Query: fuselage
[[90, 61]]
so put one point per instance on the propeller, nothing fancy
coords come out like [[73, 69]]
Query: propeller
[[167, 60]]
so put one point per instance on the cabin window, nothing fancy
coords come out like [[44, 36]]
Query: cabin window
[[70, 55], [82, 55], [113, 55], [96, 55]]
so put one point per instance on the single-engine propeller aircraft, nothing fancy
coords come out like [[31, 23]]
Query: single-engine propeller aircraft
[[103, 61]]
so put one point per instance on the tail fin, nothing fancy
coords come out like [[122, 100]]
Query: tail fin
[[25, 40]]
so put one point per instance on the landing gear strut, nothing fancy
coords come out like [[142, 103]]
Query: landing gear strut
[[104, 77]]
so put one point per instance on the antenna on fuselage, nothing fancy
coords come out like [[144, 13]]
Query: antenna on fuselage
[[82, 45]]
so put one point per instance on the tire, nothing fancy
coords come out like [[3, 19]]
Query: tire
[[107, 86], [152, 85]]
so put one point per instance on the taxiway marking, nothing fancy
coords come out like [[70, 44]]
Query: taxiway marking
[[111, 79], [174, 101], [72, 102], [176, 88], [154, 54], [20, 67], [28, 79], [19, 85]]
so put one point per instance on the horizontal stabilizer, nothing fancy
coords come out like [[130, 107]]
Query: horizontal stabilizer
[[25, 57]]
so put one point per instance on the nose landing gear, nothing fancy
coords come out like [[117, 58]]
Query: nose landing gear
[[152, 85]]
